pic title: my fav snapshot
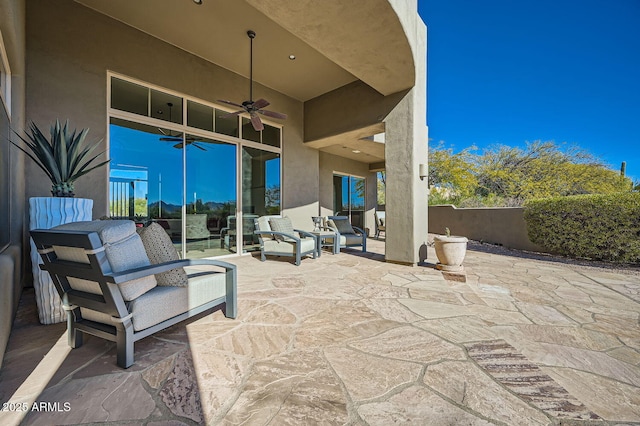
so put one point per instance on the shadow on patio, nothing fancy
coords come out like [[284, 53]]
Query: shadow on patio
[[352, 339]]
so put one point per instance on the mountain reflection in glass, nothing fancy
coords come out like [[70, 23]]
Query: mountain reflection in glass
[[147, 183]]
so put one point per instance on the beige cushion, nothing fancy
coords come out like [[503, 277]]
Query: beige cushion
[[281, 224], [286, 247], [124, 251], [160, 249], [163, 303]]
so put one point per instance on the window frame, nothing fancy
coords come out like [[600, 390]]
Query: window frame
[[5, 78], [184, 128]]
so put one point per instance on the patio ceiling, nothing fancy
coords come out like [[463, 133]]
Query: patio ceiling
[[365, 145], [334, 44]]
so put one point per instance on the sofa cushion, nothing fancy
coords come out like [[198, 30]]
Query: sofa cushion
[[307, 245], [124, 250], [163, 303], [350, 240], [160, 249]]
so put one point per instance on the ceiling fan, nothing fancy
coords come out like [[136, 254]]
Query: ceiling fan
[[168, 137], [253, 107]]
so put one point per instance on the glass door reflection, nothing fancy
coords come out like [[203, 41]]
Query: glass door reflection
[[260, 191], [210, 228], [145, 176], [348, 198]]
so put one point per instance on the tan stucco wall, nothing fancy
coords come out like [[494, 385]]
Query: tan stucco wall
[[496, 225], [351, 107], [67, 64], [332, 164], [403, 115], [406, 137]]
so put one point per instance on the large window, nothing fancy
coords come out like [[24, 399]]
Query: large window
[[187, 165]]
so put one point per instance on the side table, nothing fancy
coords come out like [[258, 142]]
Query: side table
[[322, 241]]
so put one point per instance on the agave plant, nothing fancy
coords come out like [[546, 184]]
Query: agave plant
[[62, 157]]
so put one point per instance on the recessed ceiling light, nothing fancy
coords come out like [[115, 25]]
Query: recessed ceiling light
[[197, 1], [356, 151], [292, 57]]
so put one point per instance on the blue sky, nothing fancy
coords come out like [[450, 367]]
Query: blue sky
[[510, 71]]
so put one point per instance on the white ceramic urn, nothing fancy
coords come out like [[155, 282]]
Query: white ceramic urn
[[450, 251]]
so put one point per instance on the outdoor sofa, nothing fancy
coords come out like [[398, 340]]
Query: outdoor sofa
[[122, 286]]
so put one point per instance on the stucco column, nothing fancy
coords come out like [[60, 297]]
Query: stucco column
[[406, 140]]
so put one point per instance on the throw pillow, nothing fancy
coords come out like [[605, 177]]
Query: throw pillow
[[343, 226], [281, 224], [160, 249]]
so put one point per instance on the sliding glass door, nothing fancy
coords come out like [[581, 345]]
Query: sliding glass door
[[211, 196], [260, 190], [348, 198]]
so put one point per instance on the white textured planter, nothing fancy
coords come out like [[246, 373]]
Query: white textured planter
[[450, 252], [45, 213]]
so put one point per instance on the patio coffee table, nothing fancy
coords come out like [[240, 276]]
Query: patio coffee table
[[322, 241]]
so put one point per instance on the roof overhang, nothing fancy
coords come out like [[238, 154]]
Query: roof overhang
[[334, 42], [365, 145]]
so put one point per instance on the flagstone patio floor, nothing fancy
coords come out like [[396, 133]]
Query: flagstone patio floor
[[351, 339]]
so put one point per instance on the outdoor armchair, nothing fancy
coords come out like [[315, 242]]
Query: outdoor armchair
[[111, 288], [228, 234], [347, 234], [196, 229], [278, 238], [380, 223]]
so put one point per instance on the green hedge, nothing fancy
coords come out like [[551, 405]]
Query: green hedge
[[601, 227]]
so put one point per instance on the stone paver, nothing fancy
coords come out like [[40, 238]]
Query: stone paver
[[350, 339]]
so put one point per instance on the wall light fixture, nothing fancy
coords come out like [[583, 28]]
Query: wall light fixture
[[423, 171]]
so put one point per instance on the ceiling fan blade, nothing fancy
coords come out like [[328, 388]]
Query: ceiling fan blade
[[256, 123], [199, 147], [171, 139], [232, 114], [273, 114], [231, 103], [178, 145], [260, 103]]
